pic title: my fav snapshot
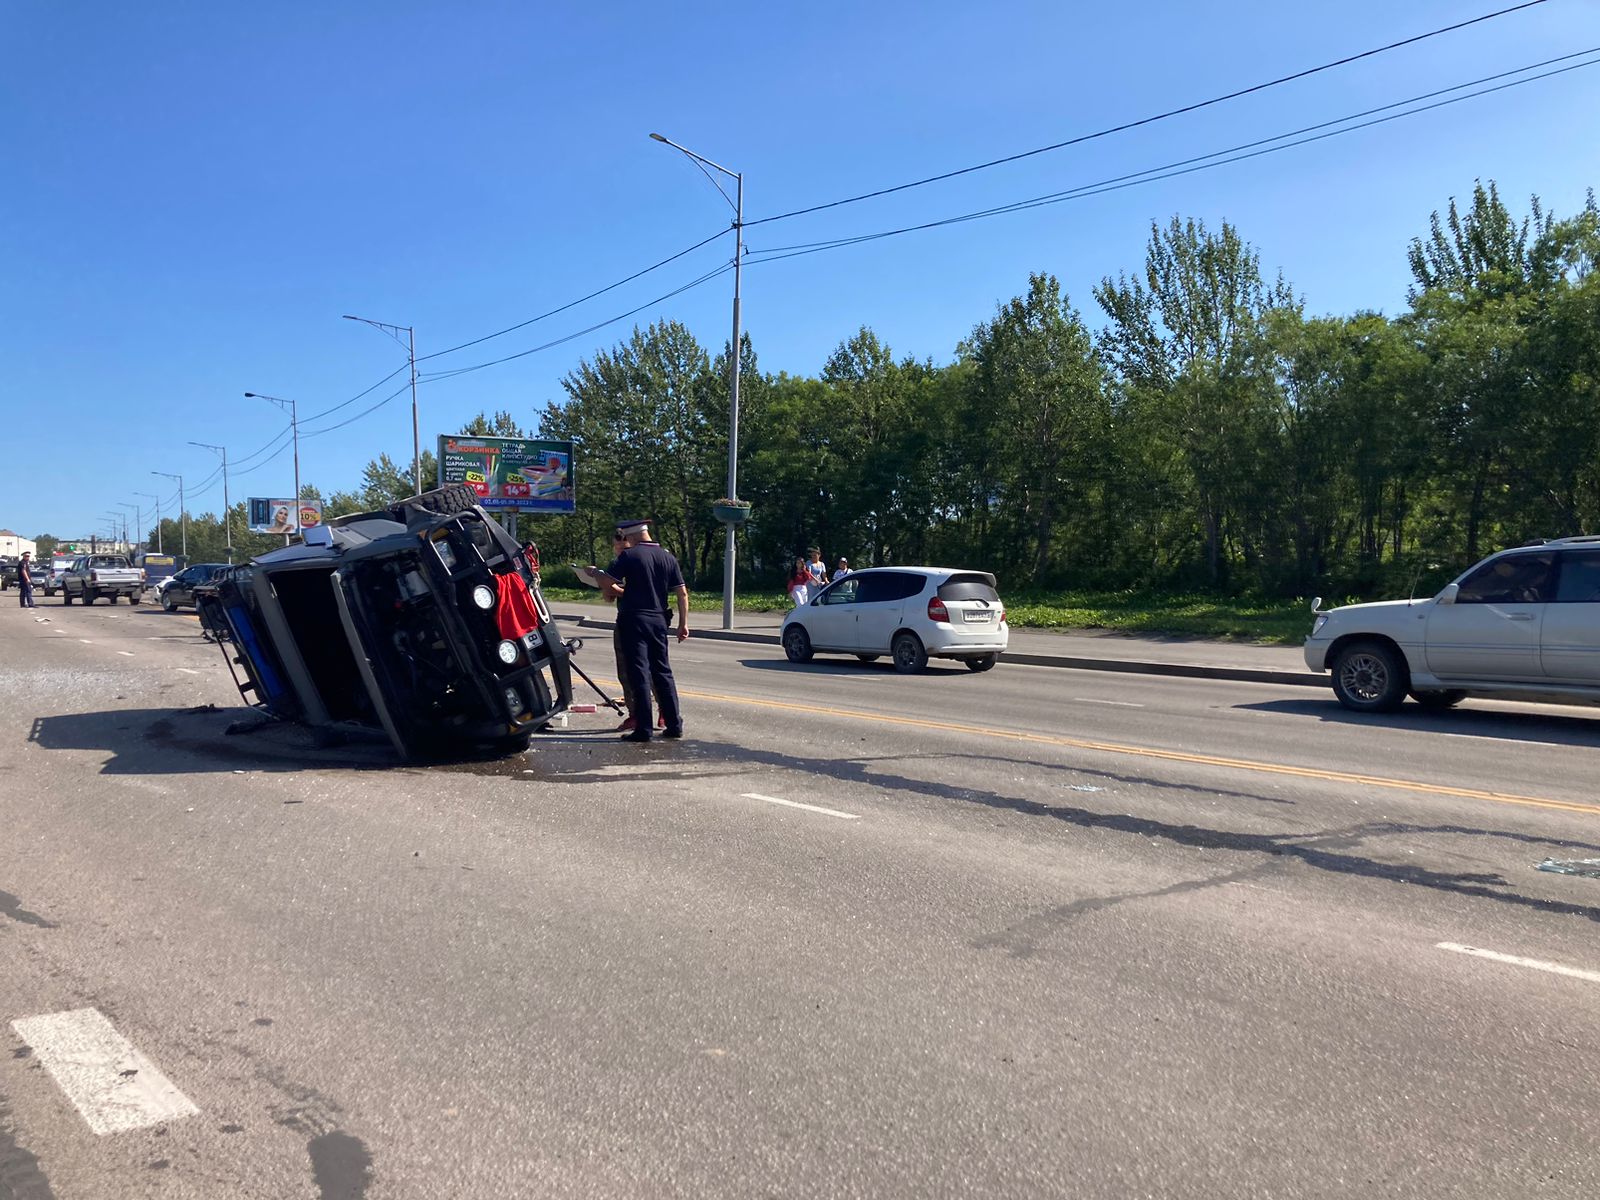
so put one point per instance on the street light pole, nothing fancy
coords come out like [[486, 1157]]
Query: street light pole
[[411, 359], [157, 499], [138, 518], [294, 434], [733, 366], [183, 510], [227, 513]]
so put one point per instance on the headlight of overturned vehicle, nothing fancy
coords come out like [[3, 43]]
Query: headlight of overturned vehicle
[[483, 597], [508, 652]]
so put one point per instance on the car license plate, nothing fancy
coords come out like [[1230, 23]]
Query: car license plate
[[973, 614]]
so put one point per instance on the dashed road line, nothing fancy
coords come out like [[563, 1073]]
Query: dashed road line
[[188, 670], [129, 653], [816, 808], [1517, 961], [113, 1086], [1112, 703]]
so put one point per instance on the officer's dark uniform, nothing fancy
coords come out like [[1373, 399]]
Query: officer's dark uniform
[[648, 574]]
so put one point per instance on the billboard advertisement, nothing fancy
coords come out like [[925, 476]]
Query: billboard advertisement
[[280, 515], [510, 474]]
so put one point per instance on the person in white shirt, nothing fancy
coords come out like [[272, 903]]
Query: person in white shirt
[[842, 569]]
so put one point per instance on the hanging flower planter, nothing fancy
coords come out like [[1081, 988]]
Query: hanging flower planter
[[731, 512]]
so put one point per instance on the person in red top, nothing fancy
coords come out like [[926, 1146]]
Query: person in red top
[[799, 582]]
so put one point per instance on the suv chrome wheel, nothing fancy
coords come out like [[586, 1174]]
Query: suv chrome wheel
[[1369, 677]]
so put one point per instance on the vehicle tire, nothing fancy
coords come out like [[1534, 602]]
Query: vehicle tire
[[797, 644], [167, 603], [1439, 701], [448, 500], [869, 658], [136, 598], [1370, 677], [983, 662], [909, 656]]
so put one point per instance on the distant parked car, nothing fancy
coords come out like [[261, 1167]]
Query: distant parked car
[[177, 591], [1524, 620], [911, 613]]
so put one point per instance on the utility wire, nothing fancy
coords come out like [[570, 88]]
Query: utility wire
[[358, 395], [401, 390], [1150, 120], [1205, 161], [283, 433], [693, 283], [264, 461], [581, 299]]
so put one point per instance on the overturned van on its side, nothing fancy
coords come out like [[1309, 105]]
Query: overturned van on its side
[[422, 621]]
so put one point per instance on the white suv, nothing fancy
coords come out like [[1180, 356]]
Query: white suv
[[912, 613], [1523, 620]]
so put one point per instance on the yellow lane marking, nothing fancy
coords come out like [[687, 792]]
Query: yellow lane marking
[[1182, 756]]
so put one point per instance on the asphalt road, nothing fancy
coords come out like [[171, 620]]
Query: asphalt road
[[1040, 932]]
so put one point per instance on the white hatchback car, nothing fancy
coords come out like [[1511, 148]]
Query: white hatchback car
[[911, 613], [1524, 620]]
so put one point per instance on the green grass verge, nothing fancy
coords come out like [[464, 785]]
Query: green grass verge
[[1273, 622]]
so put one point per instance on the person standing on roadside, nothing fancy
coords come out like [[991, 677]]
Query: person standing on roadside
[[798, 585], [816, 569], [842, 569], [641, 579], [25, 580]]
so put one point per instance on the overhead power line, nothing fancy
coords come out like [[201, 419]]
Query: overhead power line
[[1150, 120], [400, 391], [581, 299], [263, 462], [364, 392], [1203, 162], [439, 376]]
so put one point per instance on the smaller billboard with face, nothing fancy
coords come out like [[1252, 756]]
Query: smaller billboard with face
[[279, 515]]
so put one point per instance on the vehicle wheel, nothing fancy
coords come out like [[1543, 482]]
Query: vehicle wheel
[[869, 658], [797, 644], [136, 598], [1369, 677], [983, 662], [909, 656], [447, 500], [1438, 701], [167, 603]]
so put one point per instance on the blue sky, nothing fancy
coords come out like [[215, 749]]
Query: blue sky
[[195, 192]]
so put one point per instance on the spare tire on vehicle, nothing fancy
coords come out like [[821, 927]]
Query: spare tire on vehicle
[[448, 500]]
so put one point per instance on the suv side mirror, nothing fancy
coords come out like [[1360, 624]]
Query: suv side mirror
[[1448, 596]]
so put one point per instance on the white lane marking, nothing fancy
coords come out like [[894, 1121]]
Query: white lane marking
[[816, 808], [129, 653], [86, 641], [188, 670], [1113, 703], [112, 1085], [1487, 737], [1516, 961]]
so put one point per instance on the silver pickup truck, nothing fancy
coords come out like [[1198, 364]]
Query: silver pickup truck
[[94, 575]]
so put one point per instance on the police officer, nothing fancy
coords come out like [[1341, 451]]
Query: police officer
[[641, 578], [25, 580]]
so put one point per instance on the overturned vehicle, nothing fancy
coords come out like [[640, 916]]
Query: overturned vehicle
[[422, 622]]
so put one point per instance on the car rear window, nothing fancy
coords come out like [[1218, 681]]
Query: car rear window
[[969, 587]]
